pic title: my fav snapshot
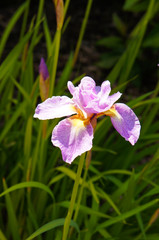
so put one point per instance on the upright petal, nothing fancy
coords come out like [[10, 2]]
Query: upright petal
[[90, 98], [75, 91], [71, 87], [73, 137], [105, 89], [55, 107], [126, 122], [87, 83], [106, 103]]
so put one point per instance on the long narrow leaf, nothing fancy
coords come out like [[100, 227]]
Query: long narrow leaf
[[51, 225], [28, 185]]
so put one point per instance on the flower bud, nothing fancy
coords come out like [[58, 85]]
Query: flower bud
[[59, 7], [44, 80]]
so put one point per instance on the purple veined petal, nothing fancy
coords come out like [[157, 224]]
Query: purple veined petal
[[103, 94], [73, 137], [110, 101], [87, 83], [55, 107], [101, 105], [75, 91], [105, 89], [85, 93], [106, 101], [71, 87], [43, 69], [126, 123]]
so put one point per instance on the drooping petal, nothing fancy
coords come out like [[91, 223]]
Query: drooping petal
[[73, 137], [126, 122], [55, 107]]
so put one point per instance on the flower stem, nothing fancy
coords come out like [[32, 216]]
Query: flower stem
[[73, 197], [79, 200], [55, 61]]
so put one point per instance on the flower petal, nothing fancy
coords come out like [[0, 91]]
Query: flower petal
[[87, 83], [55, 107], [106, 103], [90, 98], [105, 89], [126, 123], [71, 87], [73, 137]]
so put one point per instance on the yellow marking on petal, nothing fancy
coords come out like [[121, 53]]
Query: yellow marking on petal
[[112, 113], [72, 107], [77, 123]]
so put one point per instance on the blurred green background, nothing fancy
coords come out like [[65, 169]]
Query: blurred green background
[[118, 194]]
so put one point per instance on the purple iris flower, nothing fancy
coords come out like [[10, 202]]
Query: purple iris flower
[[74, 135]]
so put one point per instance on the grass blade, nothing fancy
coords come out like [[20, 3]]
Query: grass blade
[[28, 185], [51, 225]]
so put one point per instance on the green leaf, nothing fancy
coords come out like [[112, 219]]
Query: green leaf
[[2, 237], [110, 42], [120, 25], [152, 41], [47, 36], [13, 223], [125, 63], [100, 149], [62, 82], [12, 120], [10, 26], [28, 185], [12, 57], [105, 196], [51, 225], [127, 214], [56, 178], [141, 225], [129, 3], [68, 172], [84, 209], [22, 90]]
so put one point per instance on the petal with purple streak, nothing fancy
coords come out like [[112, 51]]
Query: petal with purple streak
[[73, 137], [99, 105], [55, 107], [126, 123]]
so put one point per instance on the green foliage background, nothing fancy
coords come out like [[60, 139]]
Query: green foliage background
[[119, 193]]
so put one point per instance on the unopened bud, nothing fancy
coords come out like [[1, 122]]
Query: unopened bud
[[44, 80], [59, 7]]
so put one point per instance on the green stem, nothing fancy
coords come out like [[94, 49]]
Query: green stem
[[55, 61], [83, 27], [24, 23], [67, 2], [79, 199], [73, 198], [37, 26]]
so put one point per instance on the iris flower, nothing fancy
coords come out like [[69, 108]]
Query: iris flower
[[74, 134]]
